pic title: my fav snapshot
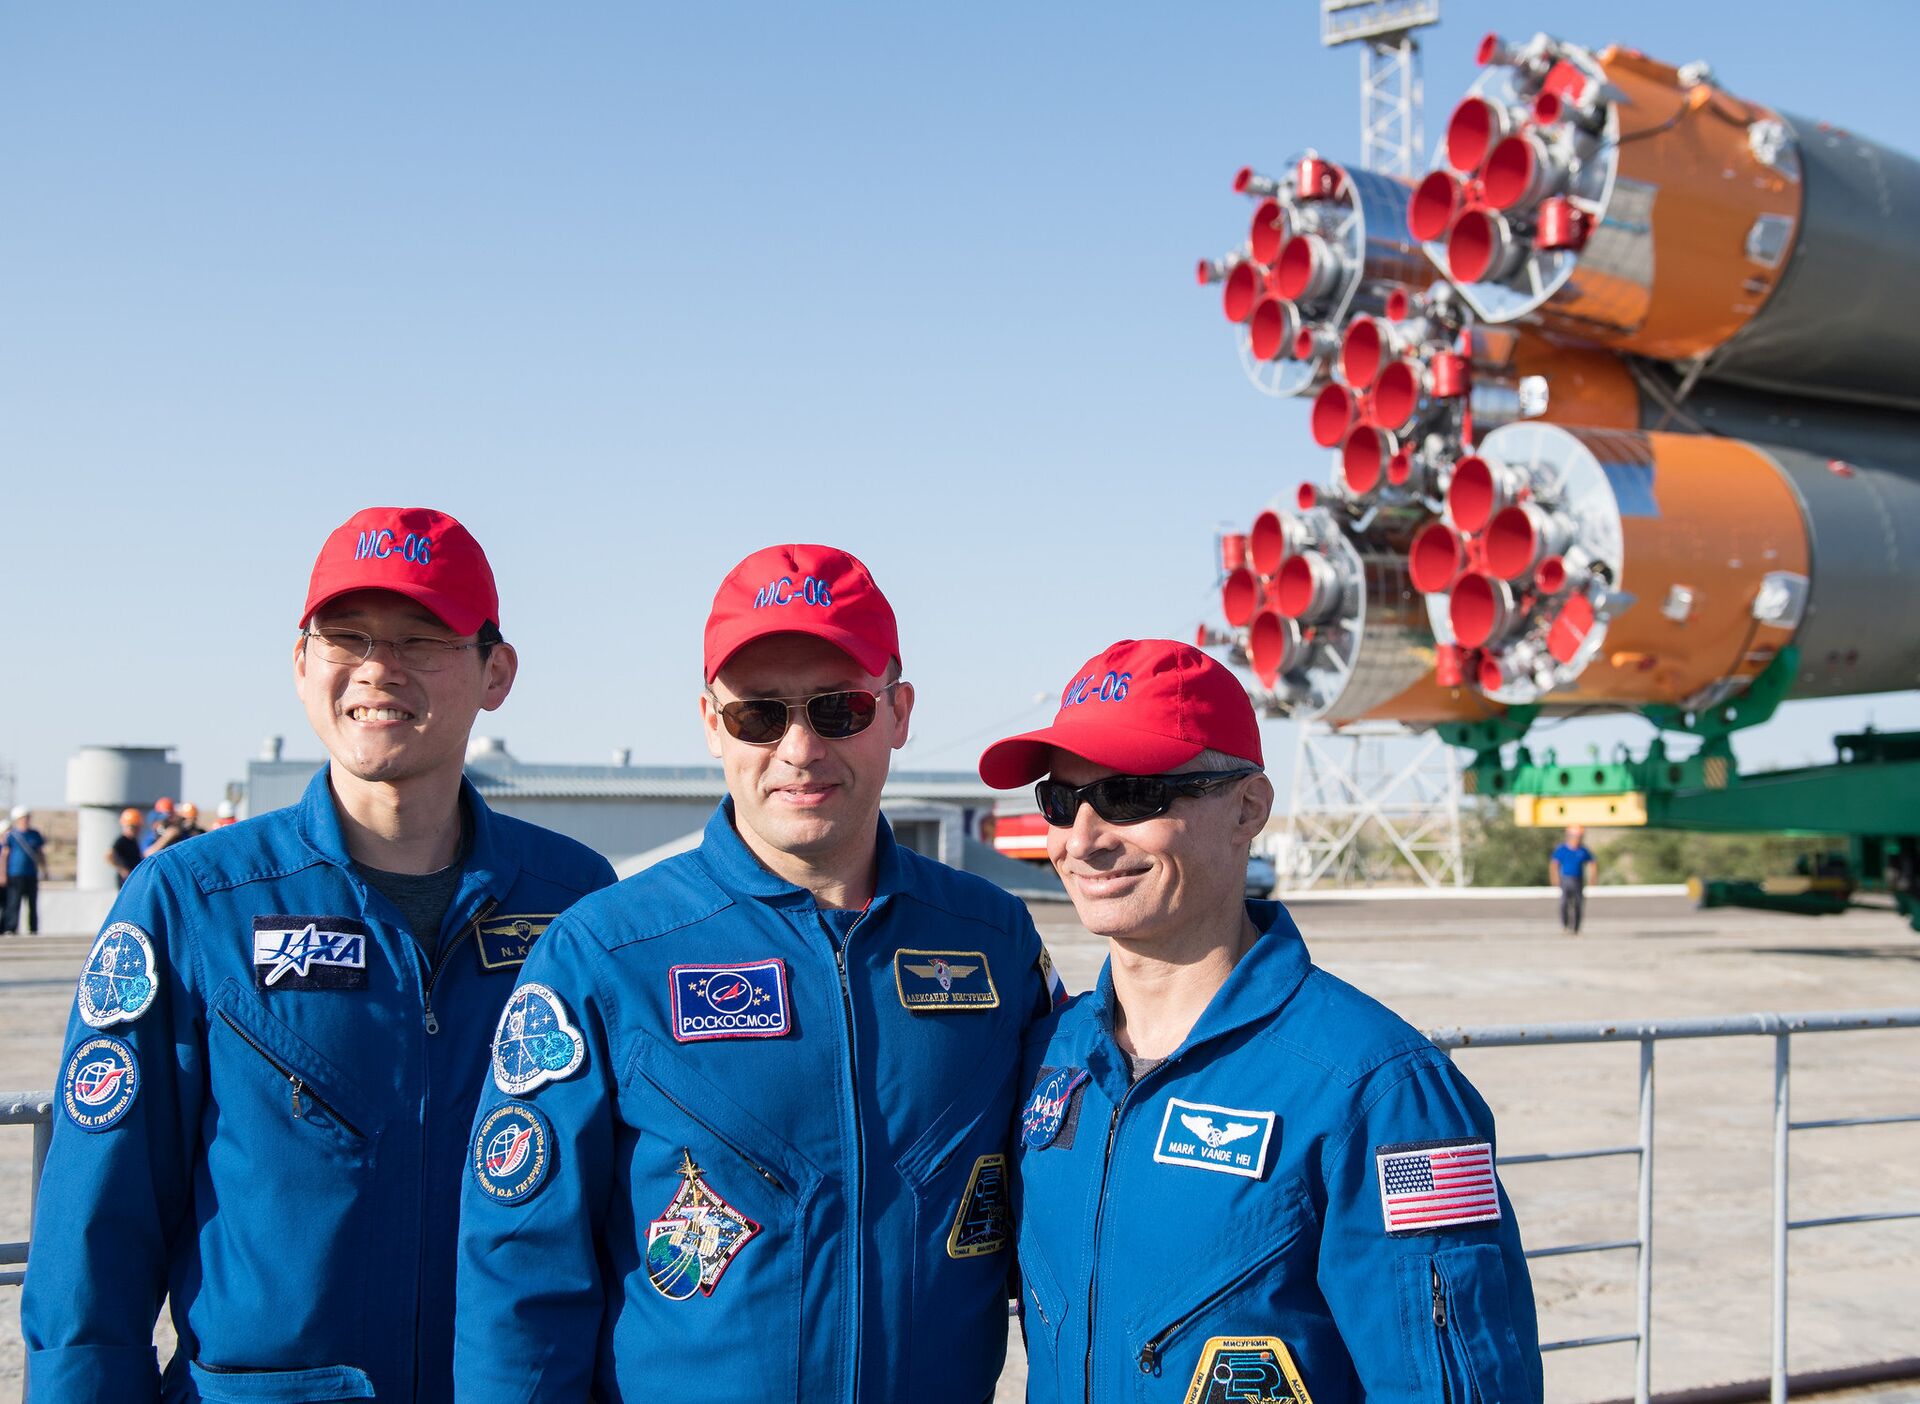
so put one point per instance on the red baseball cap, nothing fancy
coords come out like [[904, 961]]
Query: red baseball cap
[[817, 590], [413, 551], [1143, 707]]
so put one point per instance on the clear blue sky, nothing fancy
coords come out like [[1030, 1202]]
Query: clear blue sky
[[635, 289]]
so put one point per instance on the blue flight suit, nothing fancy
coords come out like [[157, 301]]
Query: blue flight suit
[[1306, 1177], [768, 1142], [263, 1111]]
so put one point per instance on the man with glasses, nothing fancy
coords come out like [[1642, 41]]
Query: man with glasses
[[748, 1129], [279, 1037], [1237, 1177]]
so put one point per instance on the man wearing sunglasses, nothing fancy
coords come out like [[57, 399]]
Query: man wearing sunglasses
[[279, 1038], [748, 1131], [1237, 1177]]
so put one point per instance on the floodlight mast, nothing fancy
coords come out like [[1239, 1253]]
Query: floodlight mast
[[1391, 139]]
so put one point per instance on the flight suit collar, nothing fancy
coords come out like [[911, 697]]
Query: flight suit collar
[[491, 866], [734, 867], [1265, 979]]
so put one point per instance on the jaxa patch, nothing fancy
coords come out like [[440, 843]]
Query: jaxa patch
[[309, 953], [1046, 1110], [512, 1152], [693, 1242], [535, 1042], [118, 983], [985, 1218], [944, 980], [1214, 1138], [101, 1079], [506, 940], [730, 1001], [1247, 1370]]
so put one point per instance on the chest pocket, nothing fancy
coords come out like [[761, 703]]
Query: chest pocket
[[264, 1072], [1249, 1257]]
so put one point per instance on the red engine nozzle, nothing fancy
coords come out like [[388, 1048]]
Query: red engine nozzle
[[1436, 200], [1241, 596], [1273, 330], [1274, 646], [1435, 558], [1332, 416], [1481, 609], [1242, 292], [1308, 588], [1473, 129], [1269, 230]]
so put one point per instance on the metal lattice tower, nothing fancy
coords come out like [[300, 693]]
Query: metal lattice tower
[[1391, 138], [1372, 804]]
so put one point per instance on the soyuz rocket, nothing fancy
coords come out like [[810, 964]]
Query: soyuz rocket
[[1622, 398]]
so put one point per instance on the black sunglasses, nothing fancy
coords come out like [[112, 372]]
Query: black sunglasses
[[834, 716], [1128, 799]]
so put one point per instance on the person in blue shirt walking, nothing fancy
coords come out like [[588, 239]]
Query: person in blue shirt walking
[[1237, 1178], [1573, 868], [279, 1038], [25, 850], [748, 1129]]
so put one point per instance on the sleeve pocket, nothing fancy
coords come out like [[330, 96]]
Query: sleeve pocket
[[1460, 1328]]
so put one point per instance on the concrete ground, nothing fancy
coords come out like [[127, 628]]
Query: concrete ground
[[1465, 961]]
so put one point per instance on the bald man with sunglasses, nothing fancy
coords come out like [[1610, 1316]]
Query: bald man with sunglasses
[[748, 1130], [1238, 1177]]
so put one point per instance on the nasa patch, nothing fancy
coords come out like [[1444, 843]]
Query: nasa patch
[[117, 984], [309, 953], [512, 1152], [1214, 1138], [535, 1042], [101, 1079], [730, 1001], [693, 1242], [1046, 1109], [944, 980], [984, 1221], [506, 940], [1241, 1369]]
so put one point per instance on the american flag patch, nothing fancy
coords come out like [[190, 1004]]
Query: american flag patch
[[1428, 1185]]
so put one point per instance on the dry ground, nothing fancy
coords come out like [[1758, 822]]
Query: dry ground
[[1467, 961]]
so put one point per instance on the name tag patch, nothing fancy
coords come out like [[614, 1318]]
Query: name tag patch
[[748, 1000], [982, 1224], [1236, 1369], [309, 953], [1226, 1139], [505, 940], [1430, 1185], [99, 1083], [944, 980]]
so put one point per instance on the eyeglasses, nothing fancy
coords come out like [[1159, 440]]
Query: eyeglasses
[[1128, 799], [417, 653], [834, 716]]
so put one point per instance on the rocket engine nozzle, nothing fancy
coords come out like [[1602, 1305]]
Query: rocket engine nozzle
[[1241, 596], [1332, 416], [1274, 646], [1472, 132], [1522, 537], [1436, 200], [1522, 171], [1243, 291], [1478, 490], [1481, 609], [1435, 558], [1481, 248], [1275, 537], [1396, 396], [1365, 457], [1273, 331], [1247, 181], [1269, 230], [1309, 270], [1308, 588]]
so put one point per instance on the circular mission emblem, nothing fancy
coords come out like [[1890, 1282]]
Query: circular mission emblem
[[512, 1152], [100, 1082]]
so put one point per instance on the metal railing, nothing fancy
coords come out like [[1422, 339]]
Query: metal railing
[[1779, 1027], [36, 1109], [33, 1109]]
